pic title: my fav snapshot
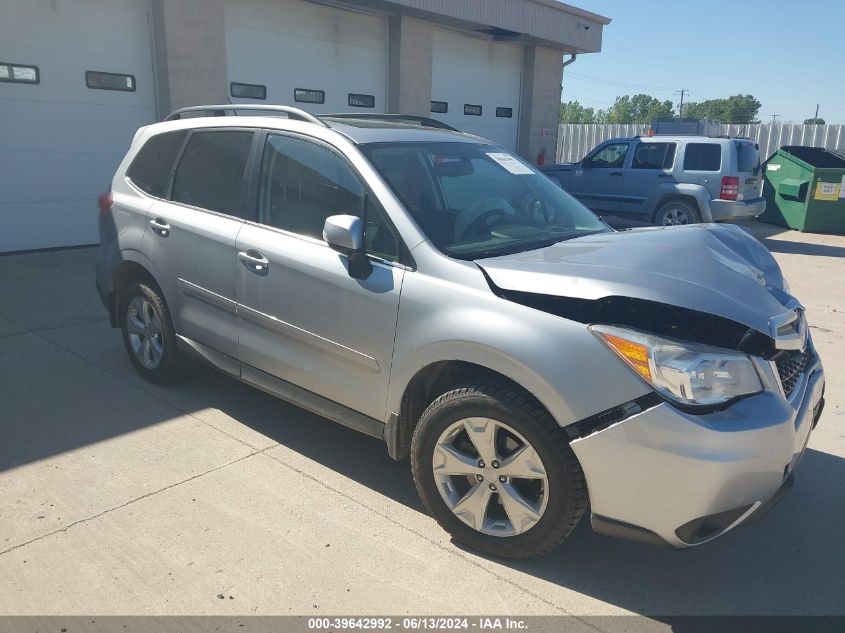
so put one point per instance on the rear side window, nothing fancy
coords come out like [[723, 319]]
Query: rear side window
[[703, 157], [150, 170], [747, 157], [654, 156], [211, 172]]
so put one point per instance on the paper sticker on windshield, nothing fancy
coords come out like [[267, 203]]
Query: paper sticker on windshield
[[510, 163]]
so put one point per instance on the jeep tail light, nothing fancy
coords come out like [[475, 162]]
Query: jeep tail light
[[730, 188], [105, 202]]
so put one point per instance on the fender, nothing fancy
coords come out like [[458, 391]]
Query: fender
[[137, 257], [553, 358], [699, 192]]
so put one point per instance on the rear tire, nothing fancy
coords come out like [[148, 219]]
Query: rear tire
[[511, 508], [677, 212], [149, 336]]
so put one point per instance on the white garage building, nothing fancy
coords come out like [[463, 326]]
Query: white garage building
[[78, 77]]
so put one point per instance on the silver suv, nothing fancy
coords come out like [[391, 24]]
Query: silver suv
[[428, 288], [668, 180]]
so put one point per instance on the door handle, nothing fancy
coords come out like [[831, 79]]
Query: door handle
[[615, 173], [254, 261], [160, 227], [665, 176]]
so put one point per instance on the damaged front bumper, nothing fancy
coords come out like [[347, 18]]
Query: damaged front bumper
[[671, 477]]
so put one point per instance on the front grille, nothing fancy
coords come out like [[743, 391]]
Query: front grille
[[790, 366]]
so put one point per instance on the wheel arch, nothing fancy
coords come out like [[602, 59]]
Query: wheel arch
[[431, 381], [692, 194], [133, 267]]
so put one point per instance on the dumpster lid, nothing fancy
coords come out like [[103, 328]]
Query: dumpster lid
[[817, 156]]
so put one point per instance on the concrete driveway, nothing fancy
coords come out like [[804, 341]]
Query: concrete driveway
[[118, 497]]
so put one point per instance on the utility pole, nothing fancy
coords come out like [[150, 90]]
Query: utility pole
[[816, 118], [774, 116], [681, 92]]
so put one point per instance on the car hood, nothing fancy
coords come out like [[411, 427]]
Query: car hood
[[717, 269]]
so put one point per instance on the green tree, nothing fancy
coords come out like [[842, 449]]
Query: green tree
[[734, 109], [814, 121], [574, 112], [639, 108]]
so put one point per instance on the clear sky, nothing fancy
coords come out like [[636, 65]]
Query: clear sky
[[789, 54]]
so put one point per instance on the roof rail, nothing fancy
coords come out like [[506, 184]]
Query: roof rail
[[220, 110], [397, 118]]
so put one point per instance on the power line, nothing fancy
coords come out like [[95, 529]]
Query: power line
[[681, 92], [576, 97], [613, 82]]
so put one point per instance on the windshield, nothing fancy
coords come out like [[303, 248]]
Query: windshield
[[476, 201]]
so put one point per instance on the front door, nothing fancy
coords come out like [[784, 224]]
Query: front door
[[597, 180], [302, 317], [651, 167]]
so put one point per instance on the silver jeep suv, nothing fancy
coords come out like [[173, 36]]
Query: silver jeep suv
[[428, 288], [668, 179]]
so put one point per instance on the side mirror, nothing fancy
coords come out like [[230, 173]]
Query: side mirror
[[345, 234]]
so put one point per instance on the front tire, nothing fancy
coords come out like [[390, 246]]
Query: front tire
[[497, 472], [149, 336]]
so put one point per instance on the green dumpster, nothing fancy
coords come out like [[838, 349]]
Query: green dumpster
[[804, 189]]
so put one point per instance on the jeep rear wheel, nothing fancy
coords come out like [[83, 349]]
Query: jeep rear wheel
[[497, 472], [677, 212]]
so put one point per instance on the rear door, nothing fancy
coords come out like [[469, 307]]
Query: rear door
[[303, 318], [703, 162], [191, 236], [597, 180], [650, 167]]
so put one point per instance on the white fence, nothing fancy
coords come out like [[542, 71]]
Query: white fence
[[576, 139]]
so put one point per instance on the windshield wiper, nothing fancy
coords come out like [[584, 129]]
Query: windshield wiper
[[521, 247]]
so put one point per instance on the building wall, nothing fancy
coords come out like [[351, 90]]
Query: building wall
[[189, 47], [542, 76], [190, 55], [409, 65]]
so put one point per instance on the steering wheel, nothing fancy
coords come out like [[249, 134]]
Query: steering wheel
[[534, 207], [482, 224]]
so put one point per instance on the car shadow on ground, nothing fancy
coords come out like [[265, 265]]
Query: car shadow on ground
[[803, 248]]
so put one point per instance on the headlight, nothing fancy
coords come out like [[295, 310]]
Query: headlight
[[688, 373]]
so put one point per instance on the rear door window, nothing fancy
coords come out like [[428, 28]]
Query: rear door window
[[654, 156], [747, 157], [211, 172], [150, 171], [703, 157]]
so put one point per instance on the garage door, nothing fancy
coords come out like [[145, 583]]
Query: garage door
[[75, 84], [477, 82], [313, 56]]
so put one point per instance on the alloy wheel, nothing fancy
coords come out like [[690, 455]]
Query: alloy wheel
[[490, 476], [676, 216], [143, 326]]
